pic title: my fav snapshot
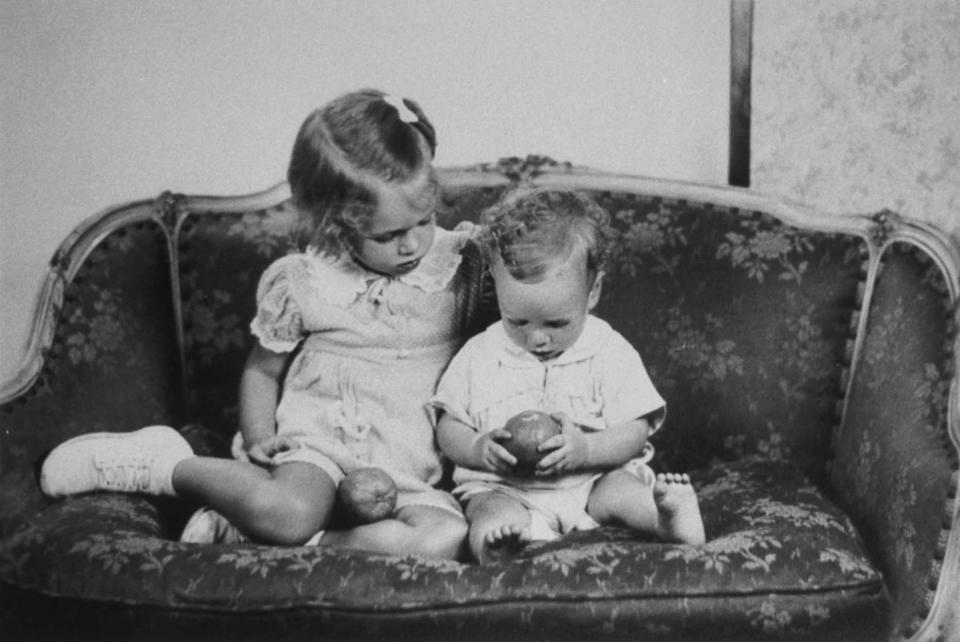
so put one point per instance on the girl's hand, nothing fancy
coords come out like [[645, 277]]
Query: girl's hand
[[265, 450], [492, 456], [568, 451]]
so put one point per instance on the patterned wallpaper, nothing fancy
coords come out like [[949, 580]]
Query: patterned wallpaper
[[856, 105]]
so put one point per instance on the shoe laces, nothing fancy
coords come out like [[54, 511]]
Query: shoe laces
[[127, 475]]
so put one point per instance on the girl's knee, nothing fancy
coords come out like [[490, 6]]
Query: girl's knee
[[284, 517], [447, 537], [437, 533]]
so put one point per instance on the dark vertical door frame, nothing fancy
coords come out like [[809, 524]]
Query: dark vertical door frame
[[741, 54]]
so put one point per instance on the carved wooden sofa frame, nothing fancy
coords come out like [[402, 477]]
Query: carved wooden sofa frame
[[808, 361]]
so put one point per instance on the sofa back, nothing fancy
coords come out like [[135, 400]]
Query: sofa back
[[745, 311], [742, 320], [221, 254]]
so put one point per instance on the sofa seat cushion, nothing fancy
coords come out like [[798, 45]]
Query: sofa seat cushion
[[781, 558]]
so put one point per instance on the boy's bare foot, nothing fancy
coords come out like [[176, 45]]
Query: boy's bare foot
[[503, 542], [679, 512]]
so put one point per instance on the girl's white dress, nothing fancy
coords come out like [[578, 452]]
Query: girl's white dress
[[372, 349]]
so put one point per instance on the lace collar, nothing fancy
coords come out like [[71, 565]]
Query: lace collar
[[344, 279]]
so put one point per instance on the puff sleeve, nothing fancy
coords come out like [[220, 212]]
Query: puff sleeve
[[627, 388], [278, 323], [453, 390]]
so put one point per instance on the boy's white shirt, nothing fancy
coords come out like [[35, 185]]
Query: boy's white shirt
[[599, 381]]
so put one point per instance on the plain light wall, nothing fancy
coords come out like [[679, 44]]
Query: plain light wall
[[107, 101]]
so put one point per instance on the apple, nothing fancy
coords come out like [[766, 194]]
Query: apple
[[367, 495], [528, 430]]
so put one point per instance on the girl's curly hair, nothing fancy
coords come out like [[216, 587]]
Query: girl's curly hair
[[342, 151], [532, 229]]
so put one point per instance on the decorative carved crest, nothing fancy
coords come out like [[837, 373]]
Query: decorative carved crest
[[523, 169], [168, 208], [886, 221]]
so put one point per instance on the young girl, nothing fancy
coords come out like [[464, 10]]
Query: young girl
[[547, 250], [369, 310]]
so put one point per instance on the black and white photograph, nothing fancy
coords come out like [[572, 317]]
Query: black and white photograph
[[477, 320]]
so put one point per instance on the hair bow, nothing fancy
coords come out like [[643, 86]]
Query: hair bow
[[405, 113]]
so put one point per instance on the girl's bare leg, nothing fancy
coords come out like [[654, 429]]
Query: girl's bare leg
[[499, 526], [286, 505], [416, 530], [294, 501]]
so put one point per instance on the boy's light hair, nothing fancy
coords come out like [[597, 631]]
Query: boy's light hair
[[533, 229]]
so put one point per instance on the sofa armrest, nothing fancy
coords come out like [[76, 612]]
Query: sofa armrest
[[895, 454], [104, 352]]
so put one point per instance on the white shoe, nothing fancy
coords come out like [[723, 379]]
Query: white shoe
[[134, 462], [207, 526]]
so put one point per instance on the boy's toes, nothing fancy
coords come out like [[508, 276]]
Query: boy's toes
[[503, 542], [679, 511], [673, 478]]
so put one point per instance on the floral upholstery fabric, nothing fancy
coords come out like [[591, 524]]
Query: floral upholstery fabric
[[746, 326], [740, 321], [777, 547], [112, 364], [222, 258], [887, 480]]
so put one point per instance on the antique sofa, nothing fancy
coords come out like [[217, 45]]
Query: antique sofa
[[808, 362]]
